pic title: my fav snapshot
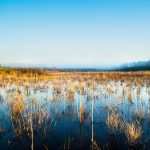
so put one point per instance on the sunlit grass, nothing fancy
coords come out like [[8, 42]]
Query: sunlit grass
[[29, 115], [133, 132]]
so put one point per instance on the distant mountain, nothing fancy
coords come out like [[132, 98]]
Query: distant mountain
[[135, 66]]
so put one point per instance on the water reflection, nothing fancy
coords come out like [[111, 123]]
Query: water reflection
[[64, 113]]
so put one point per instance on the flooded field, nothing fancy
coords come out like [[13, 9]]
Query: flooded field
[[74, 110]]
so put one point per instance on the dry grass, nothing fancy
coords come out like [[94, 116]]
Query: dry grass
[[82, 114], [133, 132], [113, 120], [27, 115]]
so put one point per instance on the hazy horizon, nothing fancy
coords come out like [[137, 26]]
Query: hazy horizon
[[74, 33], [111, 66]]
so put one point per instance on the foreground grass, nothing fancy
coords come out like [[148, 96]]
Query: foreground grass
[[27, 115]]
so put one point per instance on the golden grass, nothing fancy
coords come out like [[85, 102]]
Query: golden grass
[[28, 115], [133, 132], [113, 120], [17, 105]]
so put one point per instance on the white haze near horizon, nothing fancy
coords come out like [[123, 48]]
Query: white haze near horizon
[[75, 33]]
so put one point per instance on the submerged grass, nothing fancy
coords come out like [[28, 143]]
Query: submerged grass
[[29, 114]]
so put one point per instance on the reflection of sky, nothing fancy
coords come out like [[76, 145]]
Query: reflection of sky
[[65, 114], [74, 33]]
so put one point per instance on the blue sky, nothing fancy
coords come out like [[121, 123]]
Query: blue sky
[[78, 33]]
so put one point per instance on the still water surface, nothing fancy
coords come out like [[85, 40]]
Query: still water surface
[[64, 115]]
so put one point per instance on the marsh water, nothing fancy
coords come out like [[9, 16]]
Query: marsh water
[[74, 114]]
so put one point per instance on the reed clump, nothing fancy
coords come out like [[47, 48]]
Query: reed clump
[[17, 105], [113, 120], [133, 132]]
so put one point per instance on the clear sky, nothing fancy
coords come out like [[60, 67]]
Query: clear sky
[[74, 32]]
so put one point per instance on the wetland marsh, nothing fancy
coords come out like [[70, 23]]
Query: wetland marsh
[[75, 110]]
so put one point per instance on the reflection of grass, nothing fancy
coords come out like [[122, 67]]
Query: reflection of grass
[[82, 114], [113, 120], [1, 130], [133, 132], [28, 115]]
